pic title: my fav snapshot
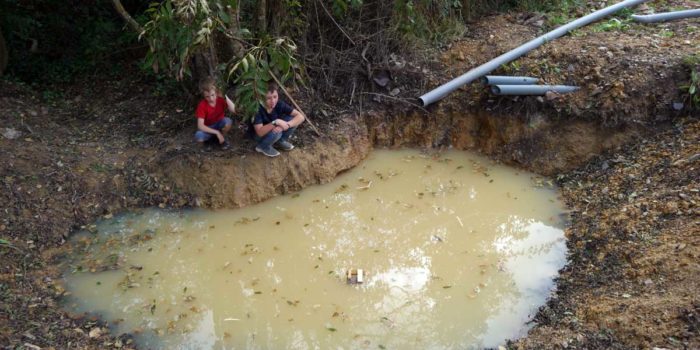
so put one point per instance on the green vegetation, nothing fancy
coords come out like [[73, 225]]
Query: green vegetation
[[51, 41], [613, 24], [337, 44], [692, 87], [257, 67]]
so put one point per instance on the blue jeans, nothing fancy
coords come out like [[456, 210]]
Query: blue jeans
[[202, 136], [272, 137]]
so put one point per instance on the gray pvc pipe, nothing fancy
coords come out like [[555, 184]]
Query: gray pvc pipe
[[666, 16], [531, 89], [506, 80], [443, 90]]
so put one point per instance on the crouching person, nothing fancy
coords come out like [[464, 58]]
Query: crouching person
[[275, 123], [210, 113]]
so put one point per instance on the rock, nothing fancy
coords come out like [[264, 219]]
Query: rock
[[694, 157], [670, 208], [677, 106], [648, 282], [381, 78], [394, 92], [11, 134], [95, 332], [551, 95]]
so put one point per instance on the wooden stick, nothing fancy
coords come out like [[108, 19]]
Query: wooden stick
[[294, 102]]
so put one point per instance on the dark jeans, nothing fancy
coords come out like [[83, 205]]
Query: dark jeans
[[202, 136], [272, 137]]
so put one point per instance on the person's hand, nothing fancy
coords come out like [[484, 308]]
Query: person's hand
[[284, 124], [220, 136], [278, 128]]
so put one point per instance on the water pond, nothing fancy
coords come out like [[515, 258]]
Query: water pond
[[454, 251]]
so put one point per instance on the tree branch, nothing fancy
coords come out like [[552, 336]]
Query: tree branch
[[294, 102], [127, 17]]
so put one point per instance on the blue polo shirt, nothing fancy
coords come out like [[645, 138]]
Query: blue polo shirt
[[281, 111]]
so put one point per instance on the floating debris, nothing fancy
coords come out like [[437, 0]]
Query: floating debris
[[355, 276], [365, 187]]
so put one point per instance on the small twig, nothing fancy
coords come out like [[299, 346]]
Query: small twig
[[397, 99], [352, 94], [294, 102], [26, 126], [336, 23], [365, 187]]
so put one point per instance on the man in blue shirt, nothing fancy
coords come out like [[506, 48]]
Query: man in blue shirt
[[274, 123]]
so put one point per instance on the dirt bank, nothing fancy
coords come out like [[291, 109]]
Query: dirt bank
[[626, 160]]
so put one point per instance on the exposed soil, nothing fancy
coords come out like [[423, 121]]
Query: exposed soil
[[627, 161]]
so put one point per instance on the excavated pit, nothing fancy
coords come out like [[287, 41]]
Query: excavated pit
[[535, 142]]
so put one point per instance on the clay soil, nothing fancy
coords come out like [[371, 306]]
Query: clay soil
[[626, 159]]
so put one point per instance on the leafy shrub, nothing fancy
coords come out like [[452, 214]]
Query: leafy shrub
[[253, 72]]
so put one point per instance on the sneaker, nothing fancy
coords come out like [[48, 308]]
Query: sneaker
[[225, 146], [270, 152], [285, 145]]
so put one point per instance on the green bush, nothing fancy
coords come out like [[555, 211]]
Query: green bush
[[253, 72]]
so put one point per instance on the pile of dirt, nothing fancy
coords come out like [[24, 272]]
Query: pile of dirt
[[634, 245]]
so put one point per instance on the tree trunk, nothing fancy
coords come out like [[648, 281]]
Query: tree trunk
[[4, 54], [261, 16], [234, 27]]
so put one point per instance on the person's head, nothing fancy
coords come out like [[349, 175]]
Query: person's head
[[272, 96], [207, 87]]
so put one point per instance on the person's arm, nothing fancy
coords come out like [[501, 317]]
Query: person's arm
[[202, 127], [297, 119], [262, 129], [231, 106]]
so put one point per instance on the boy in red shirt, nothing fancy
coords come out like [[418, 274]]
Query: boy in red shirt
[[211, 121]]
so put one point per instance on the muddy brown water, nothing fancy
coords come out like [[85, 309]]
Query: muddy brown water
[[455, 252]]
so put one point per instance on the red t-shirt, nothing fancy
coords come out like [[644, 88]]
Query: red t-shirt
[[211, 114]]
